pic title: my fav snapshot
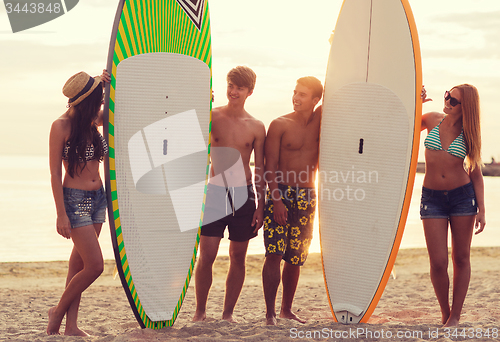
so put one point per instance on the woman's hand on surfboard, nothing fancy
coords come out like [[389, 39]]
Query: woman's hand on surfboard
[[105, 77], [63, 226], [280, 213], [423, 95]]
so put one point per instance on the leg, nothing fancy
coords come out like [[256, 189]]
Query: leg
[[290, 277], [271, 278], [75, 266], [436, 237], [235, 277], [461, 237], [87, 246], [209, 246]]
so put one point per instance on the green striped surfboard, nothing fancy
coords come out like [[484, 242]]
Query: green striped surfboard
[[157, 122]]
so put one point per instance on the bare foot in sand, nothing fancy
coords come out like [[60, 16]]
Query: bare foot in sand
[[199, 316], [291, 315], [75, 332], [452, 322], [445, 316], [53, 327], [229, 318], [271, 320]]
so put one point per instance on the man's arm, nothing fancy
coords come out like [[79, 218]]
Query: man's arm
[[272, 157], [260, 182]]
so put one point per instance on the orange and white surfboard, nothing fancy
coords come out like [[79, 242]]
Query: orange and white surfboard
[[368, 150]]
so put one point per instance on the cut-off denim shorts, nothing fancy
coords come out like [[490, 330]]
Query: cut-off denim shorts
[[445, 203], [84, 208]]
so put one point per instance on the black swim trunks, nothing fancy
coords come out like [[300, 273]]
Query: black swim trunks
[[231, 207], [293, 240]]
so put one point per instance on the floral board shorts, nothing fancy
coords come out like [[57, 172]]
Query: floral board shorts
[[293, 240]]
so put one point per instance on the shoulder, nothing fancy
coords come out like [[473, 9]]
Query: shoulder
[[256, 123], [433, 115], [260, 128], [59, 132], [281, 122], [61, 125], [256, 126], [278, 126], [431, 119], [217, 112]]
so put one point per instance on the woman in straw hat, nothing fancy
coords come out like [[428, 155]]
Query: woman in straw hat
[[79, 197]]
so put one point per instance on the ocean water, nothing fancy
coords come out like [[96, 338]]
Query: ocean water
[[27, 216]]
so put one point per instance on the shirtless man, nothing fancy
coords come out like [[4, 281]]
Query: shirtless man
[[235, 134], [291, 153]]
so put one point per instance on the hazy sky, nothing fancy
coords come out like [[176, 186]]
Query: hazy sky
[[281, 40]]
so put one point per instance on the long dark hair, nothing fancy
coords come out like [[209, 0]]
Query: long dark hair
[[84, 131]]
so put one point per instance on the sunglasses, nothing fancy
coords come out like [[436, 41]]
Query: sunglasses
[[453, 101]]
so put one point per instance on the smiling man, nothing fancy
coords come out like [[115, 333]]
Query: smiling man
[[291, 154], [230, 197]]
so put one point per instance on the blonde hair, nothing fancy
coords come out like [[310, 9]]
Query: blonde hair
[[312, 83], [471, 122]]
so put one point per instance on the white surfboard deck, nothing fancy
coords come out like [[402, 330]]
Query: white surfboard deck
[[158, 131], [368, 150], [146, 197]]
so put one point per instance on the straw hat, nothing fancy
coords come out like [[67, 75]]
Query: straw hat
[[79, 86]]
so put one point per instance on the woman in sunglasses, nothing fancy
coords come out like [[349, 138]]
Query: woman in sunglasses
[[452, 193]]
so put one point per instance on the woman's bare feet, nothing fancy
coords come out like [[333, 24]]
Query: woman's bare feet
[[271, 320], [75, 332], [452, 322], [229, 318], [445, 316], [199, 316], [291, 315], [54, 324]]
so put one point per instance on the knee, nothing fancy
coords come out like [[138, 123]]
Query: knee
[[439, 265], [96, 267], [461, 260], [273, 260], [206, 260], [238, 257]]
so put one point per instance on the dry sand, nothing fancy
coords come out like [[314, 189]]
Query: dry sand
[[408, 306]]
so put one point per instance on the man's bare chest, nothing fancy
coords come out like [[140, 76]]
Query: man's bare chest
[[237, 136]]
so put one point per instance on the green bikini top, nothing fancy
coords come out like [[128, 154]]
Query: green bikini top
[[457, 148]]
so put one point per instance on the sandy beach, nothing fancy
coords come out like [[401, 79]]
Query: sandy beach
[[408, 310]]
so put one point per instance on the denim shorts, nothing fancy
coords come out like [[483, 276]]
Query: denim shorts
[[84, 208], [445, 203]]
